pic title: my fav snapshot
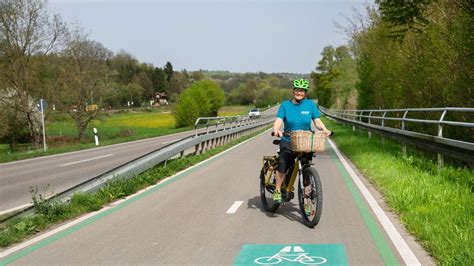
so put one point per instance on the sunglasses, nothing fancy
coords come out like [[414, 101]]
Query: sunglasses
[[299, 90]]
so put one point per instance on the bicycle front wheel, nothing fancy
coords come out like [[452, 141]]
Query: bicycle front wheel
[[310, 197], [267, 189]]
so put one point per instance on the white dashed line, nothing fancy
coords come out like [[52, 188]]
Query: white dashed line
[[170, 141], [90, 159], [234, 207]]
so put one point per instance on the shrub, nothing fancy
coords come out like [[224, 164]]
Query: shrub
[[203, 98]]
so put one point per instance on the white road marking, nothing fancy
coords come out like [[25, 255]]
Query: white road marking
[[86, 160], [170, 141], [405, 252], [234, 207], [297, 249]]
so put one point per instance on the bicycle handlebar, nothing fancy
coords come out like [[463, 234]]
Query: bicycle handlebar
[[330, 134]]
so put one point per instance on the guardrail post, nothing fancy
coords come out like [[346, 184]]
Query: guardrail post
[[196, 151], [403, 120], [382, 124], [440, 135], [440, 124], [368, 131], [440, 160], [404, 145], [383, 117]]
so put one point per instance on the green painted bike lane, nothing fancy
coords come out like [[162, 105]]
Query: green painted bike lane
[[327, 254]]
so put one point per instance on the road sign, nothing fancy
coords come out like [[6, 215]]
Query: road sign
[[295, 254]]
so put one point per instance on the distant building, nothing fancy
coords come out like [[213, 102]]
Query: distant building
[[160, 98]]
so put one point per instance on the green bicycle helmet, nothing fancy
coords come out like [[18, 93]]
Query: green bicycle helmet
[[301, 84]]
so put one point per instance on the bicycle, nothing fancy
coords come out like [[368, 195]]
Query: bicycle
[[309, 186], [302, 258]]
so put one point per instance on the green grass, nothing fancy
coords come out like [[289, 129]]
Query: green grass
[[112, 128], [48, 214], [436, 205], [233, 110]]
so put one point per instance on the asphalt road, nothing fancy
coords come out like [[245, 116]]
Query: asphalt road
[[56, 173], [186, 221]]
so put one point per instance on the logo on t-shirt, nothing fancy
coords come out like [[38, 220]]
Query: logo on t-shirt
[[305, 112]]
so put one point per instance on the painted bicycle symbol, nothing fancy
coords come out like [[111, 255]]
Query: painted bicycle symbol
[[299, 257]]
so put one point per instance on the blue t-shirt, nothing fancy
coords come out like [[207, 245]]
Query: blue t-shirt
[[297, 116]]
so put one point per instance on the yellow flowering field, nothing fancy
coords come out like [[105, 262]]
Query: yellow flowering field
[[141, 120]]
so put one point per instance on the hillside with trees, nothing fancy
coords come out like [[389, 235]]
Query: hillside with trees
[[405, 54]]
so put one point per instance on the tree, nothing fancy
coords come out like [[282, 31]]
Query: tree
[[214, 93], [323, 77], [28, 31], [177, 84], [144, 81], [84, 79], [168, 71], [134, 94], [404, 15], [158, 78], [126, 66], [203, 98]]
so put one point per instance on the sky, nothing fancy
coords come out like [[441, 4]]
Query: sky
[[234, 35]]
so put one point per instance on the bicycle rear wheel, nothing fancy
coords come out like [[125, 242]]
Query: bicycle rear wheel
[[312, 194], [266, 190]]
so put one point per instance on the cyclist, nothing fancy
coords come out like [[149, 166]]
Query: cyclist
[[296, 114]]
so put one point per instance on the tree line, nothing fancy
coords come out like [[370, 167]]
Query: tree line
[[259, 89], [43, 57], [401, 54]]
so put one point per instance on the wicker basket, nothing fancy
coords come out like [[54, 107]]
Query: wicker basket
[[307, 141]]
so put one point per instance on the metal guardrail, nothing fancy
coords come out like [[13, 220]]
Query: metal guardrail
[[458, 149], [225, 122], [195, 144]]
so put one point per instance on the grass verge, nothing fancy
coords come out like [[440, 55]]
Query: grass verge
[[436, 205], [48, 214]]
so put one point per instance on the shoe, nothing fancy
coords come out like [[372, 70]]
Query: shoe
[[307, 209], [277, 196]]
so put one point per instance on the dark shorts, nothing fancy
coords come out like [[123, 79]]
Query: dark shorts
[[287, 158]]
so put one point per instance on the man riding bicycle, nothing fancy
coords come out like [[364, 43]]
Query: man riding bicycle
[[296, 114]]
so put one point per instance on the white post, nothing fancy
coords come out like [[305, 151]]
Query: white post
[[42, 121], [96, 137]]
